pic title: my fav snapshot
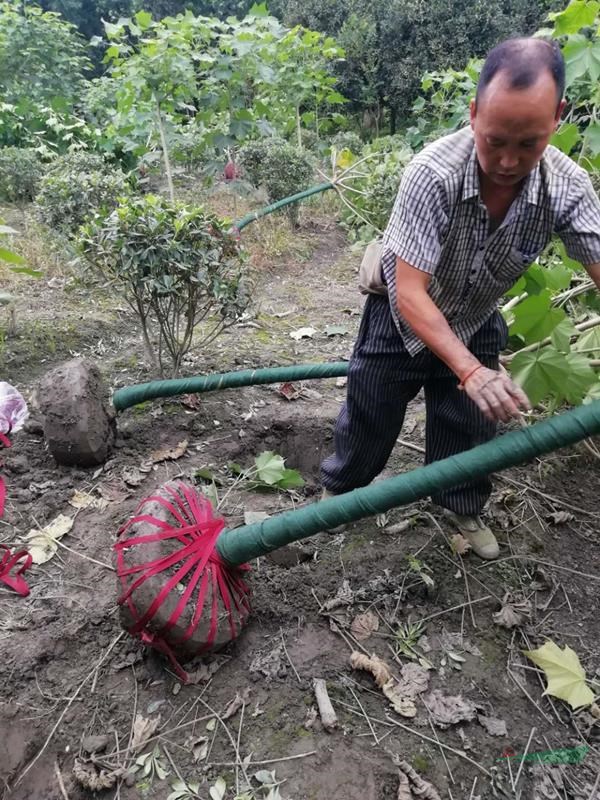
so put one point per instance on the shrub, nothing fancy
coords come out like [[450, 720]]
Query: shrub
[[21, 171], [280, 168], [176, 266], [78, 186], [347, 140]]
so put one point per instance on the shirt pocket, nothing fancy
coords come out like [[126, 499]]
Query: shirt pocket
[[515, 264]]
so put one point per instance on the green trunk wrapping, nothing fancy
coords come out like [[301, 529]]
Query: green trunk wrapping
[[245, 543], [294, 198], [132, 395]]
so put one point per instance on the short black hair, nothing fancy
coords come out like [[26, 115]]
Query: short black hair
[[523, 60]]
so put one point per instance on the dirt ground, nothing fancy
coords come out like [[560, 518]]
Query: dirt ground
[[68, 672]]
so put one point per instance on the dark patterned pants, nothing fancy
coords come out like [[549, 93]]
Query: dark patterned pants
[[382, 379]]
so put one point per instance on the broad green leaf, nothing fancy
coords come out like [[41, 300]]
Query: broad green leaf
[[592, 138], [578, 14], [579, 378], [558, 277], [566, 137], [561, 335], [12, 258], [143, 19], [291, 480], [535, 319], [593, 393], [589, 342], [564, 673], [270, 467], [540, 373], [576, 54]]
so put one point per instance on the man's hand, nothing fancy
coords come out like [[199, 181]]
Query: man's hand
[[496, 395]]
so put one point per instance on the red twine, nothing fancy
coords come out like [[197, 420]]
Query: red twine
[[198, 533], [10, 559]]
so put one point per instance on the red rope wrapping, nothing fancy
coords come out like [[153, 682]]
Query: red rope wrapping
[[197, 558], [10, 559]]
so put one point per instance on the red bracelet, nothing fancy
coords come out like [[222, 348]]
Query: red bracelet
[[470, 374]]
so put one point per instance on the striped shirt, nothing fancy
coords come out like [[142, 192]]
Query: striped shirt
[[440, 226]]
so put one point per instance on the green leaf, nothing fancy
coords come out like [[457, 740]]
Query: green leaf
[[535, 319], [33, 273], [270, 467], [566, 137], [540, 373], [291, 480], [578, 14], [593, 393], [576, 55], [589, 342], [12, 258], [143, 19], [579, 379], [592, 138], [561, 335]]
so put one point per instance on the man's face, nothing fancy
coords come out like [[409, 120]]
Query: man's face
[[512, 127]]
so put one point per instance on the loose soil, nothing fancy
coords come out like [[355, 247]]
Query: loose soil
[[62, 648]]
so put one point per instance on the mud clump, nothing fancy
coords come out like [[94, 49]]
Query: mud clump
[[79, 426]]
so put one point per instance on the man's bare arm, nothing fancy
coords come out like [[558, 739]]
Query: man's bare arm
[[593, 270], [494, 392]]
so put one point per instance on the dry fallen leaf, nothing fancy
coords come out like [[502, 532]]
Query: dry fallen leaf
[[512, 613], [495, 727], [564, 673], [459, 544], [143, 729], [414, 680], [238, 701], [401, 705], [82, 500], [198, 747], [42, 543], [446, 710], [303, 333], [385, 681], [132, 476], [343, 597], [560, 517], [114, 492], [289, 391], [363, 625], [169, 453]]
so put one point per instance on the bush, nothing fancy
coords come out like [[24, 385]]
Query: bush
[[347, 140], [21, 171], [280, 168], [78, 186], [175, 265]]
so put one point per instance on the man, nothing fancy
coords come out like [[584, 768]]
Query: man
[[474, 209]]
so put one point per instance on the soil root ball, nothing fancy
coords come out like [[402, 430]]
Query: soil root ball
[[79, 426], [175, 592]]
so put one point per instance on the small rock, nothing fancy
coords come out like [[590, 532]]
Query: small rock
[[95, 744]]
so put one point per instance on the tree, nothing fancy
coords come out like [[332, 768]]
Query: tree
[[391, 43]]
